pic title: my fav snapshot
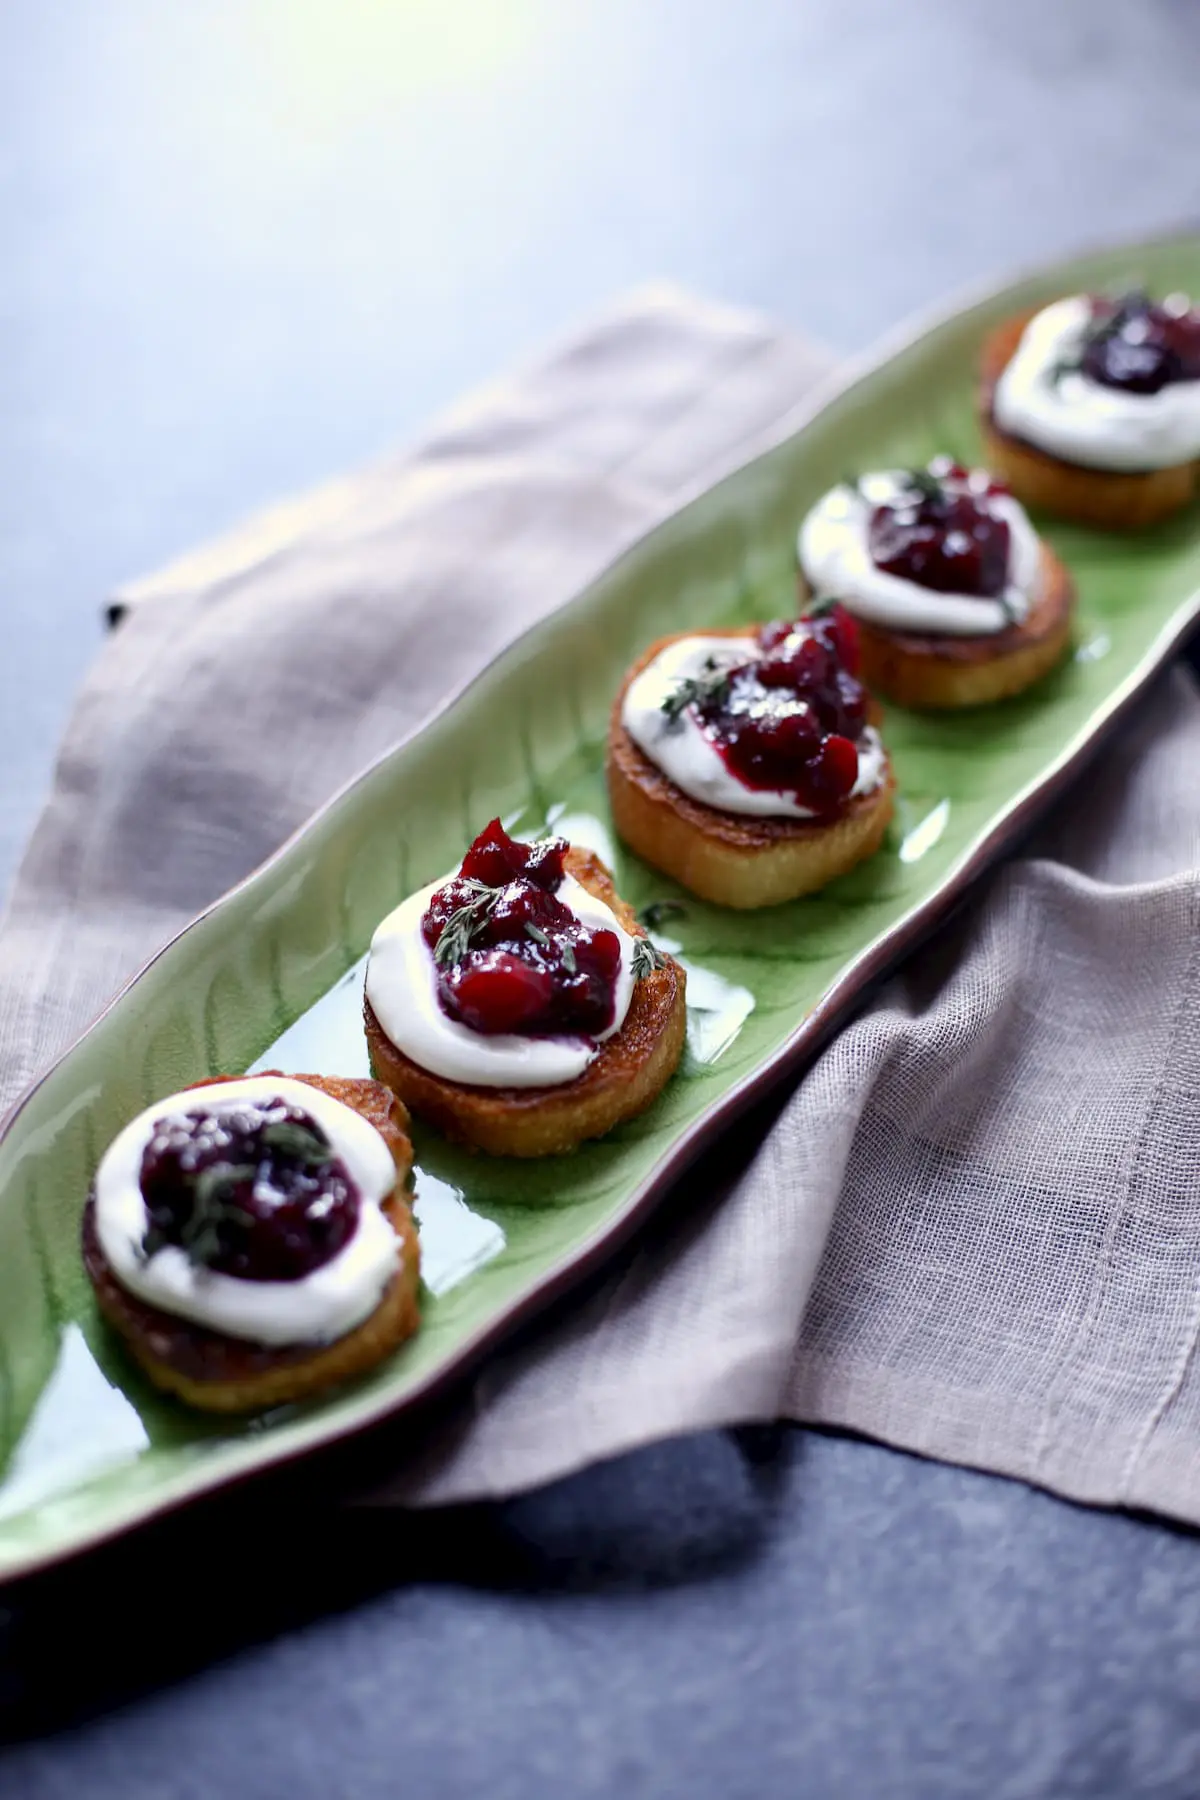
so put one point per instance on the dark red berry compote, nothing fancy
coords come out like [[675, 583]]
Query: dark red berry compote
[[511, 957], [1140, 345], [254, 1191], [941, 530], [788, 718]]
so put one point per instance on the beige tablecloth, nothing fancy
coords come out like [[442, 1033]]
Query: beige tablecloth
[[972, 1229]]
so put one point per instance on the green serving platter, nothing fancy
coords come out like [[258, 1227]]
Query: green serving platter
[[271, 975]]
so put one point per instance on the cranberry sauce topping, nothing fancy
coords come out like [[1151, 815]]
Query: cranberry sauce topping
[[510, 955], [1139, 345], [255, 1192], [941, 532], [788, 717]]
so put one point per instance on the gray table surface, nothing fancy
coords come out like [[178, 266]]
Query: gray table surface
[[247, 244]]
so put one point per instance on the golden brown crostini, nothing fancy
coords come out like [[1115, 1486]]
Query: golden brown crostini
[[732, 859], [224, 1374], [1110, 499], [936, 672]]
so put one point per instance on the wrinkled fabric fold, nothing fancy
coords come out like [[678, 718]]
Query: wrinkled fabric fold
[[971, 1229]]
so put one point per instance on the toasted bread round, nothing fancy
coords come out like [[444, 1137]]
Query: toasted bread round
[[1112, 499], [224, 1374], [630, 1070], [730, 858], [933, 671]]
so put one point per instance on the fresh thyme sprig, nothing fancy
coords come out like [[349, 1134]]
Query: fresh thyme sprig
[[711, 684], [454, 939], [823, 603], [299, 1143], [647, 957], [566, 949], [924, 482]]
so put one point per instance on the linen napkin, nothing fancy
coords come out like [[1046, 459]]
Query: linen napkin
[[972, 1229]]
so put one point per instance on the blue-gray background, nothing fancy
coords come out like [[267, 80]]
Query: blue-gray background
[[245, 245]]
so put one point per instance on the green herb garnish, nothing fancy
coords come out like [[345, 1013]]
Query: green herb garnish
[[567, 948], [300, 1143], [454, 939], [708, 687], [647, 957], [925, 482], [824, 603]]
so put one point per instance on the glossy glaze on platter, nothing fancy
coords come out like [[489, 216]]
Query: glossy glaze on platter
[[86, 1449]]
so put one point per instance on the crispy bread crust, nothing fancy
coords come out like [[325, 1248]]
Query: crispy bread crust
[[730, 858], [230, 1375], [938, 672], [630, 1071], [1113, 500]]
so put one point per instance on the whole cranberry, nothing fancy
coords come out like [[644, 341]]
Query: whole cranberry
[[584, 999], [838, 631], [495, 991], [494, 857], [1181, 332], [545, 862], [521, 905], [599, 952], [800, 662], [851, 700], [1140, 346], [793, 736], [832, 773]]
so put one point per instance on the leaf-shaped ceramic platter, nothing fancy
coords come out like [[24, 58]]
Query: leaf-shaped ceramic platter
[[271, 976]]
